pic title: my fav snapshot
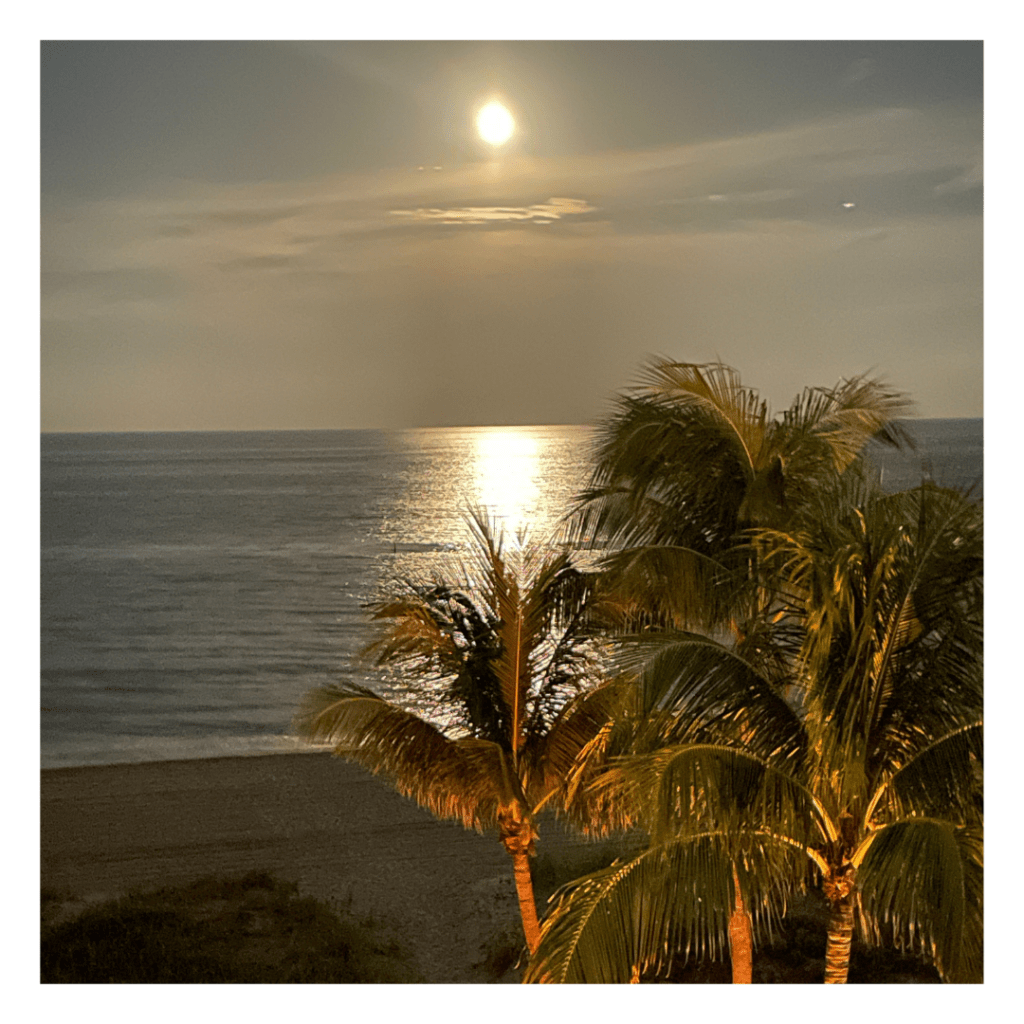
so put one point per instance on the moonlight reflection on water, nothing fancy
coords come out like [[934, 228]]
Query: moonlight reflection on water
[[523, 477], [506, 476]]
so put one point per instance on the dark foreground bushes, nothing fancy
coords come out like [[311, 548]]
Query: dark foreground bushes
[[255, 929]]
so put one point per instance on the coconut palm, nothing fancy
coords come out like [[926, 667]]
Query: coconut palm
[[889, 591], [720, 703], [497, 649], [867, 781], [690, 460]]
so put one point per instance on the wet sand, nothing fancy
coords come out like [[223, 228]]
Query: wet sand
[[331, 827]]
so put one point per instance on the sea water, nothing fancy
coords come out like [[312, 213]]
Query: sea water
[[195, 585]]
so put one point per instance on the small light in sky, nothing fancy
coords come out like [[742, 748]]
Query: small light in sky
[[494, 123], [849, 206]]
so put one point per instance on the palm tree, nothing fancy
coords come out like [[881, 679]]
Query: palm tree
[[692, 458], [689, 461], [498, 648], [889, 591], [867, 781]]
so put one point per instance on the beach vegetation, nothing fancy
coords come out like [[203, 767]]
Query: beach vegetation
[[251, 929]]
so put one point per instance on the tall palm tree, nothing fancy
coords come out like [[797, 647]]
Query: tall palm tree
[[889, 591], [867, 780], [498, 647], [689, 461]]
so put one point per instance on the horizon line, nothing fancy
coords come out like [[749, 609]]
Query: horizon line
[[385, 430]]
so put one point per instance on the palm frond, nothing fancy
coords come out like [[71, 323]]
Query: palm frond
[[672, 901], [682, 586], [920, 884], [706, 688], [717, 392], [887, 589], [690, 787], [501, 640], [460, 779], [691, 454], [829, 428], [557, 753], [941, 776], [673, 464]]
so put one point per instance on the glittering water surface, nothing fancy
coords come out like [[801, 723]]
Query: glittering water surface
[[195, 585]]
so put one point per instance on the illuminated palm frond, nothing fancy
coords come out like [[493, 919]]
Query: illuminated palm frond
[[943, 772], [467, 780], [920, 888], [669, 584], [889, 592], [668, 904], [692, 456], [501, 641]]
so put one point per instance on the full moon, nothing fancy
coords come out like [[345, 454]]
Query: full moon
[[494, 123]]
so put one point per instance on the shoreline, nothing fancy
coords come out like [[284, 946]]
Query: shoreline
[[283, 751]]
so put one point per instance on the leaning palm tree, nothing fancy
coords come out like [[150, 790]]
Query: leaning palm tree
[[497, 648], [866, 782]]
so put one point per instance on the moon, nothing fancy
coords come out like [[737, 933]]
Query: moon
[[494, 123]]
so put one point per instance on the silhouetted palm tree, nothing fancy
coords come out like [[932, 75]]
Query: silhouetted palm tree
[[500, 643]]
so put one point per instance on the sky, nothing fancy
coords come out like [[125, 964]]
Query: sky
[[283, 235]]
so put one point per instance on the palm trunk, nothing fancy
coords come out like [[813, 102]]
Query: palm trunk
[[741, 939], [527, 904], [517, 834], [840, 937]]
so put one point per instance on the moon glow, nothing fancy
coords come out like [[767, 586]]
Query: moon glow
[[494, 123]]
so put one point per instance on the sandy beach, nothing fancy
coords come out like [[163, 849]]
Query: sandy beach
[[332, 828]]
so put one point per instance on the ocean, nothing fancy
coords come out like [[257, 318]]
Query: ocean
[[195, 585]]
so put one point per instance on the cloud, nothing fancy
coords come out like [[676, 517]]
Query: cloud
[[539, 213], [232, 255], [802, 171]]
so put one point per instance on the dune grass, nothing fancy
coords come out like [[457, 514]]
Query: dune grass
[[254, 929]]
